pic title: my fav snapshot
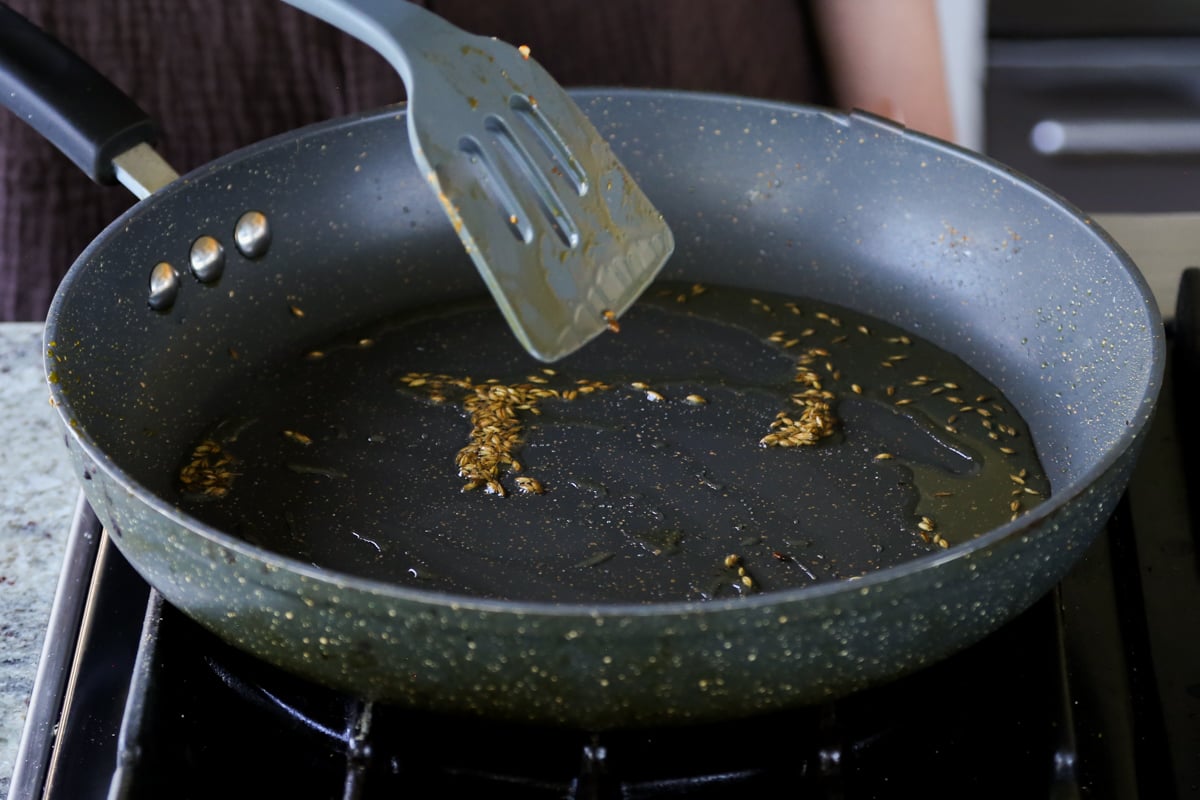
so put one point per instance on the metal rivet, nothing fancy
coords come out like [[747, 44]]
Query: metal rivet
[[164, 286], [207, 258], [252, 235]]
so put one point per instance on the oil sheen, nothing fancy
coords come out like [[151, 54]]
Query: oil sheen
[[668, 460]]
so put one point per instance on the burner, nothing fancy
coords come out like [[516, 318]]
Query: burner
[[202, 715]]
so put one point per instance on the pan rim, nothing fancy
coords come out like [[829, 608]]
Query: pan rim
[[818, 593]]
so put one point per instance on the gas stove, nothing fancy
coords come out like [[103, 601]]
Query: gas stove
[[1094, 692]]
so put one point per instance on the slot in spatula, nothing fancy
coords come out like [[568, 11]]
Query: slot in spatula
[[561, 233]]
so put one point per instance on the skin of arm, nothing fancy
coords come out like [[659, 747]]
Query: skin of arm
[[885, 56]]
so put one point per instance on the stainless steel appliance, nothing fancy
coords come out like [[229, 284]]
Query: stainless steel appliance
[[1098, 100]]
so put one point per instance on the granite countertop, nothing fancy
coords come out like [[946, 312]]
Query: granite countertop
[[38, 493]]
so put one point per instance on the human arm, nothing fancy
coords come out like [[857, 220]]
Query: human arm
[[885, 56]]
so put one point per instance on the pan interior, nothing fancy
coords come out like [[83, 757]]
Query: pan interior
[[720, 442], [845, 210]]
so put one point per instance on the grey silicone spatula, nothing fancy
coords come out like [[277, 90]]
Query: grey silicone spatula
[[560, 232]]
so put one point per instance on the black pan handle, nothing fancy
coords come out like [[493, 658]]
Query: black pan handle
[[66, 100]]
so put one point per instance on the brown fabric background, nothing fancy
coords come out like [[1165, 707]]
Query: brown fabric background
[[221, 74]]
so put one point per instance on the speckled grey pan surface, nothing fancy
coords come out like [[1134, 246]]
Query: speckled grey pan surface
[[843, 209]]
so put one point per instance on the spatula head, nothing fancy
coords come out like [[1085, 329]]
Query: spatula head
[[560, 231]]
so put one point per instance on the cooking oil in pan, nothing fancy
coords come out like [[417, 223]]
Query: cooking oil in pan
[[718, 444]]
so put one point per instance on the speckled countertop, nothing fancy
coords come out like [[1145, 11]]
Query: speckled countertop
[[37, 500]]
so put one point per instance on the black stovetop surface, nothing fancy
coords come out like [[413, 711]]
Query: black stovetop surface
[[1094, 692]]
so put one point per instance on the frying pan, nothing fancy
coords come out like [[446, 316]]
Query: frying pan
[[847, 209]]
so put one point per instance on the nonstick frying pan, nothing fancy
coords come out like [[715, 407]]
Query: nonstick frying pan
[[845, 209]]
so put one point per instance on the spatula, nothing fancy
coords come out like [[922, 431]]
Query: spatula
[[561, 233]]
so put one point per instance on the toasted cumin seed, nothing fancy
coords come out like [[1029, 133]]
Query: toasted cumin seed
[[529, 485], [298, 437]]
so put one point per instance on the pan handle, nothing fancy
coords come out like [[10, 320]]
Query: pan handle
[[76, 108]]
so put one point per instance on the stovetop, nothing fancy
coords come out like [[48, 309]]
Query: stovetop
[[1094, 692]]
